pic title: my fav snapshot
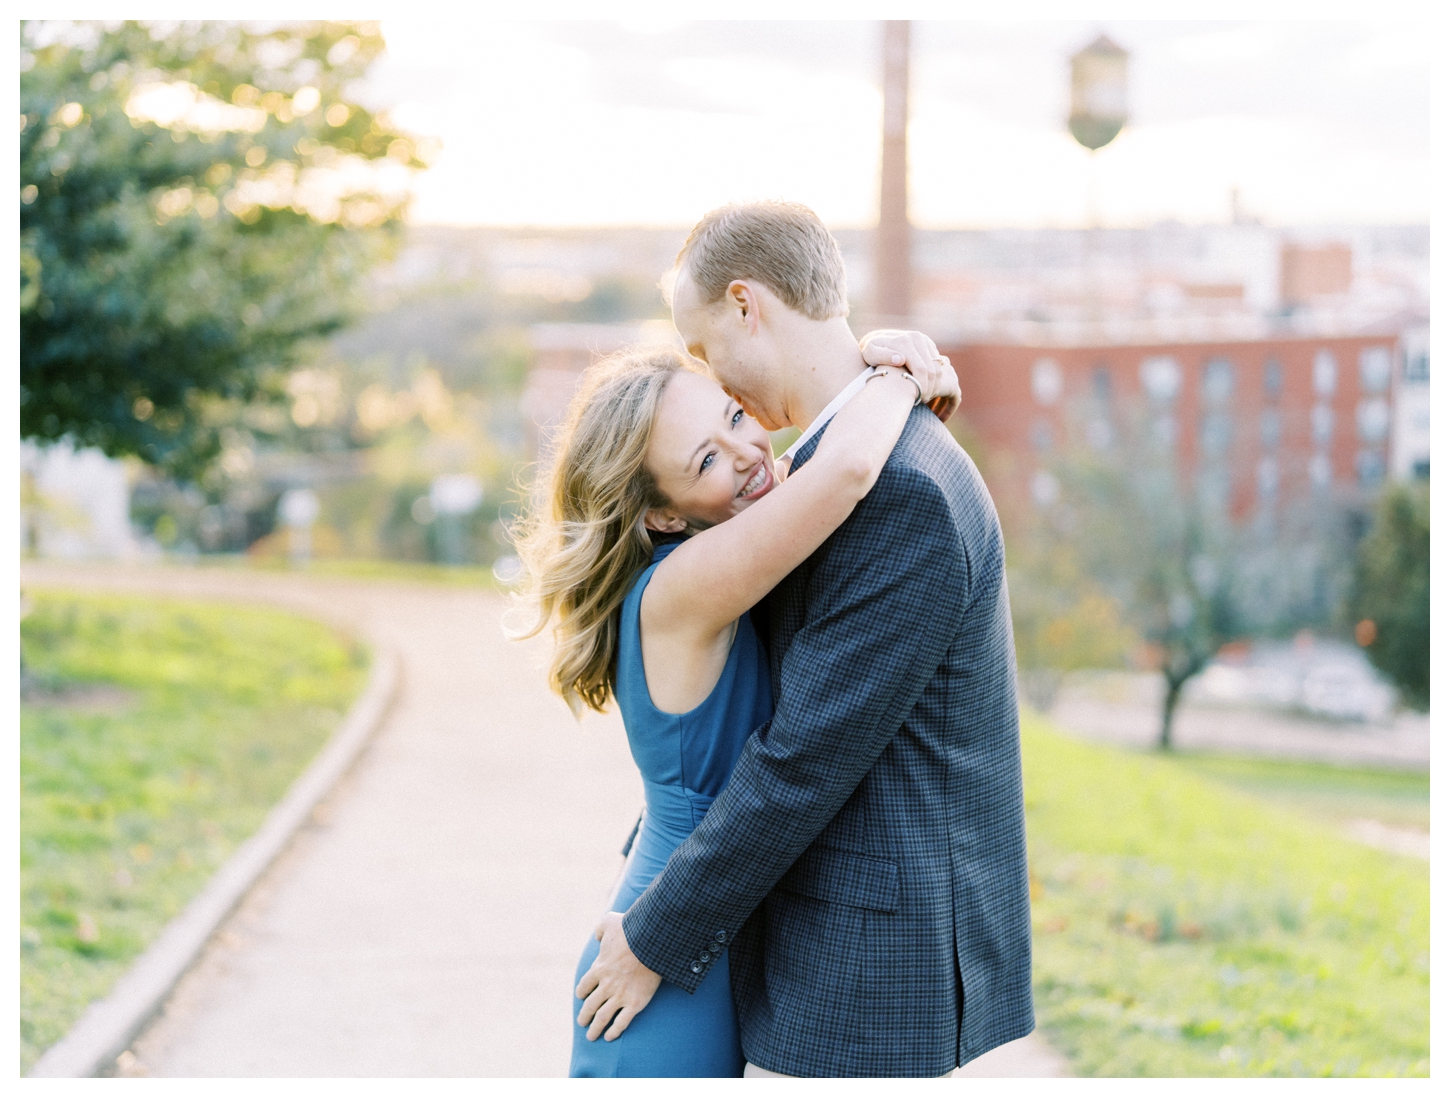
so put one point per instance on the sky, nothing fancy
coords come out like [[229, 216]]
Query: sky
[[594, 123]]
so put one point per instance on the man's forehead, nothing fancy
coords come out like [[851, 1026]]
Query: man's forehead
[[684, 295], [690, 318]]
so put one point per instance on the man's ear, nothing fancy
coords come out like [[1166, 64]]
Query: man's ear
[[745, 303], [663, 522]]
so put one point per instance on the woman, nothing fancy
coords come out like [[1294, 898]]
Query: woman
[[648, 589]]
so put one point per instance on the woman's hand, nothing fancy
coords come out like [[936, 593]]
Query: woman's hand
[[917, 354]]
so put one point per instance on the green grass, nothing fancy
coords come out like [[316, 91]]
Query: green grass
[[1183, 927], [1335, 794], [390, 570], [154, 737]]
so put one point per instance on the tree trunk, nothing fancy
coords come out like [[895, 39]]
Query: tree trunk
[[1170, 704]]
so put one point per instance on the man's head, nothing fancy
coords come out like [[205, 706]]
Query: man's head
[[744, 283]]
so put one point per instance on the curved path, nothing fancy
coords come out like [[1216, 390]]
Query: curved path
[[428, 920]]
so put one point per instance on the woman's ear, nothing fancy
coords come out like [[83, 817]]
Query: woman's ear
[[663, 522]]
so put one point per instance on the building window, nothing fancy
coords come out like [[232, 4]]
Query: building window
[[1217, 433], [1373, 419], [1417, 366], [1374, 369], [1102, 385], [1218, 382], [1271, 428], [1165, 431], [1100, 433], [1268, 478], [1321, 424], [1321, 472], [1161, 377], [1042, 435], [1326, 372], [1370, 465], [1046, 381], [1044, 488], [1273, 379], [1213, 489]]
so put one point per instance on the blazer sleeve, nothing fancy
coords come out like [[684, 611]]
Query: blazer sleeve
[[883, 606]]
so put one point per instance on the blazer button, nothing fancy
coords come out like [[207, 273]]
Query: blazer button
[[714, 947], [720, 936], [697, 967], [704, 956]]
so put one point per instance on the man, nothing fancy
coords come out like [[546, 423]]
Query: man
[[866, 865]]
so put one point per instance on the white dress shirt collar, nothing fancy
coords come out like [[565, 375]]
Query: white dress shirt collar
[[827, 413]]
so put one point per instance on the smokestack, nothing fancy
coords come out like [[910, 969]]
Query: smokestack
[[893, 230]]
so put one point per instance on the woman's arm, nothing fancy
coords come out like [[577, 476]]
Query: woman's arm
[[884, 347], [718, 574]]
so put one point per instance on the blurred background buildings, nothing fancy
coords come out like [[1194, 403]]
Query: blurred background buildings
[[1300, 365], [1280, 364]]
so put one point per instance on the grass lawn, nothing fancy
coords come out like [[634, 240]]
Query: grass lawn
[[388, 570], [1189, 919], [154, 737], [1335, 794]]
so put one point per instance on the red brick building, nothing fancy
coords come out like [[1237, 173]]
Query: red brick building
[[1259, 421]]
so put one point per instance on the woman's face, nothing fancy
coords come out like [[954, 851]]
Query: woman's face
[[709, 458]]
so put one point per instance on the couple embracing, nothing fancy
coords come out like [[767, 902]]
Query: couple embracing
[[813, 661]]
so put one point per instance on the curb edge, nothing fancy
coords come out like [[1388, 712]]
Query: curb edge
[[108, 1025]]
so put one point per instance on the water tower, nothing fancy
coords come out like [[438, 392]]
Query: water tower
[[1099, 93], [1099, 109]]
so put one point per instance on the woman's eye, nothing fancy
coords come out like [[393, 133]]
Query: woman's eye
[[739, 413], [709, 461]]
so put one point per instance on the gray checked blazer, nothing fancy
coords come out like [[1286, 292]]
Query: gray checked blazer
[[866, 864]]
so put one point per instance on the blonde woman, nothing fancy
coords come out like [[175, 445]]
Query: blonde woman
[[666, 520]]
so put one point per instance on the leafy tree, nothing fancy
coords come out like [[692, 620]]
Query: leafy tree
[[1391, 598], [1188, 577], [198, 200], [1167, 555], [1062, 620], [1155, 539]]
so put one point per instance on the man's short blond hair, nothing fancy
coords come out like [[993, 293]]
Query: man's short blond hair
[[780, 244]]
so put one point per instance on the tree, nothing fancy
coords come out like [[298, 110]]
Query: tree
[[1062, 620], [1162, 548], [198, 201], [1391, 597], [1188, 577], [1156, 539]]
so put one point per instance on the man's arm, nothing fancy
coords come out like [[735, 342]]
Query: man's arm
[[884, 605]]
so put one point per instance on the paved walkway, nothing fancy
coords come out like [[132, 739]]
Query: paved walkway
[[1124, 709], [428, 921]]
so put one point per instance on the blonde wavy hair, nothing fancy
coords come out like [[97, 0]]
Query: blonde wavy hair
[[584, 541]]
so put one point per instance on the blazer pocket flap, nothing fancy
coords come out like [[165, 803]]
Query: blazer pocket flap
[[841, 877]]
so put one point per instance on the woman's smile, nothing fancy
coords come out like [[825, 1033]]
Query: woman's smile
[[707, 456], [761, 481]]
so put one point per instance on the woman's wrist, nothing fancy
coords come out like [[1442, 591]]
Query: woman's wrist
[[888, 371]]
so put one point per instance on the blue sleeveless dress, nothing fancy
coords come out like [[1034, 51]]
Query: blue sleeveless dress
[[685, 760]]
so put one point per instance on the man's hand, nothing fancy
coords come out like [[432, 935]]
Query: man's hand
[[916, 353], [617, 985]]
